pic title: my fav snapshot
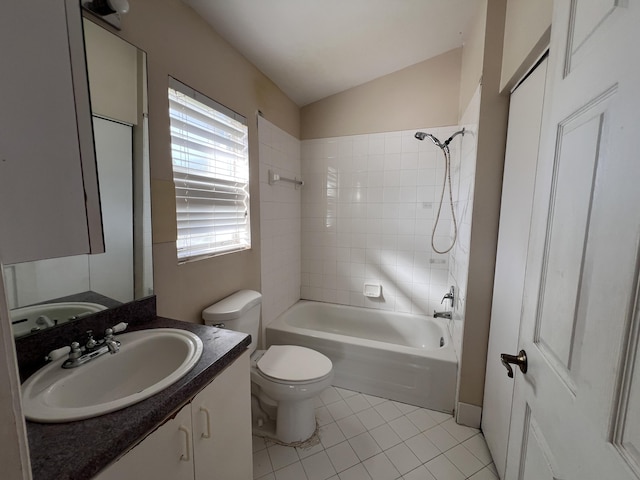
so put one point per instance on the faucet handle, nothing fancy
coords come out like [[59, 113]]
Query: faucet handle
[[91, 342], [76, 351], [112, 345], [119, 327], [57, 353], [108, 333], [449, 296]]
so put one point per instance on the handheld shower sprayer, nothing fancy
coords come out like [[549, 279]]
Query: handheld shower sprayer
[[447, 177], [422, 135]]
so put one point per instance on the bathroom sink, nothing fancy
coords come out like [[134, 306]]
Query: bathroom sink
[[148, 361], [26, 320]]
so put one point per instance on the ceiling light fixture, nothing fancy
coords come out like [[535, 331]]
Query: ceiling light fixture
[[107, 10]]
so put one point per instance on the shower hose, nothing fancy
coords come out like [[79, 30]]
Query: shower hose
[[445, 181]]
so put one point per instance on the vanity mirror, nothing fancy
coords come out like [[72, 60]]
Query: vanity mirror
[[45, 293]]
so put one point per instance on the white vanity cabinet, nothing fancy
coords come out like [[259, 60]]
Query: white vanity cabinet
[[222, 426], [165, 454], [208, 439], [49, 200]]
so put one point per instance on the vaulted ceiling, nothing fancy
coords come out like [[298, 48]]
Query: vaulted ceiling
[[315, 48]]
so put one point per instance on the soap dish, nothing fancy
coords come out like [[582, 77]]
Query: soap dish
[[372, 290]]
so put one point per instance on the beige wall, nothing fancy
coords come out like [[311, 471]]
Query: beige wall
[[492, 129], [520, 28], [526, 35], [425, 94], [181, 44], [472, 57], [112, 65]]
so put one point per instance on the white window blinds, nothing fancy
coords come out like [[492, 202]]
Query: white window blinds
[[210, 156]]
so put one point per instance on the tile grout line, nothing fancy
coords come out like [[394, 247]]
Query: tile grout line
[[331, 454]]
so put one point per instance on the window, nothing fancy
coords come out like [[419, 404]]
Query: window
[[210, 157]]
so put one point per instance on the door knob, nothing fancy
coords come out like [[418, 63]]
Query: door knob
[[520, 360]]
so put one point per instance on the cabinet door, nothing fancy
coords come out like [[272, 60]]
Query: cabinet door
[[49, 201], [167, 453], [222, 425]]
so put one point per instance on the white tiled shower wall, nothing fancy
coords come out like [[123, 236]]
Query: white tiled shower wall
[[368, 207], [279, 221], [463, 178]]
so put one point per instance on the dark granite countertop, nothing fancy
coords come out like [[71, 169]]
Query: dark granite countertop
[[79, 450], [88, 296]]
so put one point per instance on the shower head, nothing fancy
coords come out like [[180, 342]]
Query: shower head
[[423, 135]]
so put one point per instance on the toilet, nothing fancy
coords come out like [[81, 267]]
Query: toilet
[[284, 378]]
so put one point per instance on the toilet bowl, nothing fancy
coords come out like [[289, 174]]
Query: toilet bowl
[[291, 376], [285, 379]]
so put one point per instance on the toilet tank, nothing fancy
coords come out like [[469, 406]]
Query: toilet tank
[[239, 311]]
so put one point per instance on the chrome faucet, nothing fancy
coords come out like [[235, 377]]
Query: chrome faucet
[[79, 355], [442, 315]]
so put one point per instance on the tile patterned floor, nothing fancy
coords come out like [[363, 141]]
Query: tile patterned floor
[[363, 437]]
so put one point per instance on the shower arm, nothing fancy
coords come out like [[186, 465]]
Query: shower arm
[[459, 132]]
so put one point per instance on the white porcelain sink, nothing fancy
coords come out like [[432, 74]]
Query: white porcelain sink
[[148, 362], [26, 320]]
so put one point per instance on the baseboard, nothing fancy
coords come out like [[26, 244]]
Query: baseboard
[[469, 415]]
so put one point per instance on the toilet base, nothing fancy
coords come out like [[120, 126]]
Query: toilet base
[[296, 421], [267, 430], [293, 424]]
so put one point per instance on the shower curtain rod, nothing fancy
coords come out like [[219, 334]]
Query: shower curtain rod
[[274, 177]]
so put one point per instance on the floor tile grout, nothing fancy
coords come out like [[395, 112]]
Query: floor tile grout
[[422, 439]]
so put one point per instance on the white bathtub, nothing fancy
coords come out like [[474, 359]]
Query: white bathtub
[[407, 358]]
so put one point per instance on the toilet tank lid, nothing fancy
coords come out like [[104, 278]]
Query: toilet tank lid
[[232, 306]]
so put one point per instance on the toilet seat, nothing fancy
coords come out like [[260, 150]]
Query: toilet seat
[[291, 363]]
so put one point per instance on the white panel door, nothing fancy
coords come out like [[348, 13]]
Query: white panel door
[[576, 412], [525, 116]]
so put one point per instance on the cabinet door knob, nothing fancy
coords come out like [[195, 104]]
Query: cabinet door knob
[[207, 417], [186, 455]]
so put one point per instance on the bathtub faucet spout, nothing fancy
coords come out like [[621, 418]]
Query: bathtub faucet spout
[[442, 315]]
